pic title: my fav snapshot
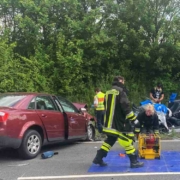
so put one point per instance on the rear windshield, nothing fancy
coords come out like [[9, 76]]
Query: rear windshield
[[10, 100]]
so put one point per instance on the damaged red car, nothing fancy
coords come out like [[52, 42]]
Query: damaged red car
[[91, 119], [30, 120]]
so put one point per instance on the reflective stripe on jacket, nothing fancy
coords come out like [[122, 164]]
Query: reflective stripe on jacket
[[115, 121]]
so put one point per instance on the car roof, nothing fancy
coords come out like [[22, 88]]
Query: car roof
[[25, 93]]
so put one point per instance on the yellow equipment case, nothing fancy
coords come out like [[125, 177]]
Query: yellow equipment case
[[149, 146]]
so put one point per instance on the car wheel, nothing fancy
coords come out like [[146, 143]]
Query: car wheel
[[31, 145], [90, 132]]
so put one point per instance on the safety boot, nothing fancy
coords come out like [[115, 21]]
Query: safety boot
[[99, 158], [134, 163]]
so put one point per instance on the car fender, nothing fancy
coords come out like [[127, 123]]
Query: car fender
[[89, 116], [28, 125], [90, 123]]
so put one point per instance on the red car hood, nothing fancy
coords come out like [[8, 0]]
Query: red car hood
[[86, 114], [80, 105]]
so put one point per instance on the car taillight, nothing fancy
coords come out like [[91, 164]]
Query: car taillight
[[3, 116]]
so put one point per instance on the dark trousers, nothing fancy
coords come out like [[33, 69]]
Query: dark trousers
[[111, 140], [106, 146], [100, 120], [124, 141]]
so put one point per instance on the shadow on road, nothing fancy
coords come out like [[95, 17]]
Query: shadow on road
[[57, 147], [9, 154]]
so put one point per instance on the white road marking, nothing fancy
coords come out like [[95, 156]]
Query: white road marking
[[100, 175], [95, 176], [19, 164]]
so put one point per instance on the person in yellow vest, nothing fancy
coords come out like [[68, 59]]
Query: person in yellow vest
[[119, 121], [99, 108]]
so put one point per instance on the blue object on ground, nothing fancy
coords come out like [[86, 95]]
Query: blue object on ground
[[48, 154], [168, 162]]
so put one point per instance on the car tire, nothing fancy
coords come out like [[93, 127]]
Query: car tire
[[31, 145], [90, 132]]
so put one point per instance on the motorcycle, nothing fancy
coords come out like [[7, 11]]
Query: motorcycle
[[175, 109]]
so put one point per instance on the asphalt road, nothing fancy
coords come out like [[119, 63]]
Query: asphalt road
[[72, 162]]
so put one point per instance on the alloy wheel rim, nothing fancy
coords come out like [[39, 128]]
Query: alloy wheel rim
[[33, 144], [90, 132]]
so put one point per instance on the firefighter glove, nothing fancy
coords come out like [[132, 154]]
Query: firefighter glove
[[135, 126]]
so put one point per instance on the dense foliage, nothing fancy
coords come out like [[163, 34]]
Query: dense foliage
[[68, 47]]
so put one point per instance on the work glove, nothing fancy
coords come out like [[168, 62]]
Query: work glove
[[134, 124], [132, 119]]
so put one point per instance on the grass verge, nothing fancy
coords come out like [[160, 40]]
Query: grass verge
[[173, 135], [170, 136]]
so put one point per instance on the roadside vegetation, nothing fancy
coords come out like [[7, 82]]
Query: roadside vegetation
[[171, 136], [69, 47]]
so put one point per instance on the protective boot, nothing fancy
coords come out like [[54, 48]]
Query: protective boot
[[99, 158], [134, 162]]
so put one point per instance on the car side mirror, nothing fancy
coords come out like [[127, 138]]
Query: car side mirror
[[82, 110]]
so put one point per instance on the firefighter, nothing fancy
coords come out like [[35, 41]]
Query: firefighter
[[148, 121], [99, 108], [117, 124]]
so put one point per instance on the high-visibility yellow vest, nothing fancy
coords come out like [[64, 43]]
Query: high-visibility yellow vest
[[100, 97]]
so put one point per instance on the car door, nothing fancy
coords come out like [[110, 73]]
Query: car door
[[52, 118], [76, 121]]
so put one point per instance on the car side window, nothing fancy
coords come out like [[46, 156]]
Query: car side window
[[44, 103], [67, 106], [32, 104]]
